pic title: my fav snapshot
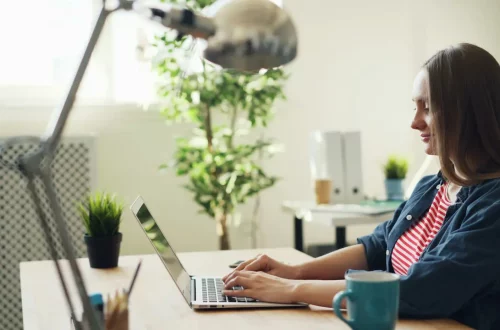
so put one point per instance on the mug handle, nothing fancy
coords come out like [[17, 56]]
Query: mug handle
[[337, 300]]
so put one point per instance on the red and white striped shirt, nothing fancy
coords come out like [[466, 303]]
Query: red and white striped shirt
[[412, 243]]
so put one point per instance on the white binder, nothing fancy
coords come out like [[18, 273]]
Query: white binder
[[335, 166], [353, 167], [337, 156], [326, 161]]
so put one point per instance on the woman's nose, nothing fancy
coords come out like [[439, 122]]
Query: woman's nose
[[418, 122]]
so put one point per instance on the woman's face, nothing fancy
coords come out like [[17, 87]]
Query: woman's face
[[423, 119]]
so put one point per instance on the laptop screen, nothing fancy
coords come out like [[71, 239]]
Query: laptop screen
[[163, 248]]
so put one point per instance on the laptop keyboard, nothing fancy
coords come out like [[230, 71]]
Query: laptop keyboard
[[212, 292]]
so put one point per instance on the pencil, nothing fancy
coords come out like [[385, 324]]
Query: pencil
[[134, 278]]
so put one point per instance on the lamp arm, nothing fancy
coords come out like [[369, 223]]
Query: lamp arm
[[38, 164], [60, 116], [269, 51]]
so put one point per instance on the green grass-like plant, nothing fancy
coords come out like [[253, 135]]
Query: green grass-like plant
[[101, 214], [396, 167]]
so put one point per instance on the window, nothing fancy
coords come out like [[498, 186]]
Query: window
[[43, 41], [42, 44]]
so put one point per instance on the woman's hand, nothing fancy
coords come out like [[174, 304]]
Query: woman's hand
[[263, 263], [261, 286]]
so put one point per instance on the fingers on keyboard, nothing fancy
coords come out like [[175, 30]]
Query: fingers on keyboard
[[212, 292]]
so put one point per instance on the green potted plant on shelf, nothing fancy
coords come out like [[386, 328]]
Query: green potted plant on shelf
[[101, 215], [220, 158], [395, 170]]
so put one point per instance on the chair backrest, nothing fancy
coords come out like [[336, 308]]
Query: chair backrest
[[21, 237]]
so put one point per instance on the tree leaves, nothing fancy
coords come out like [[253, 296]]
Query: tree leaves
[[192, 4], [223, 178], [221, 172]]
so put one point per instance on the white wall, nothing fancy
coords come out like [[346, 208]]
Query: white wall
[[356, 64], [355, 71]]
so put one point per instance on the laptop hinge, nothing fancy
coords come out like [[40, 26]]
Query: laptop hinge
[[193, 290]]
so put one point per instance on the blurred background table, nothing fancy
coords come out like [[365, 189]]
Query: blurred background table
[[338, 216]]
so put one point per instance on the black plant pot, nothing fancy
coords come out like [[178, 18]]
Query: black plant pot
[[103, 252]]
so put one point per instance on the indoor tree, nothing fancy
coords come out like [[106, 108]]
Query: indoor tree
[[220, 157]]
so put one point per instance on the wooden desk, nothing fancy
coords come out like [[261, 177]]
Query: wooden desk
[[157, 304]]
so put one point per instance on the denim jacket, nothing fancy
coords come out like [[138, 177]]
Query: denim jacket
[[458, 273]]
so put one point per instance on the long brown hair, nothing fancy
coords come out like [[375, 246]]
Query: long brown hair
[[464, 92]]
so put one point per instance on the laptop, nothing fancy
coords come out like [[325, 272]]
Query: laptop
[[200, 292]]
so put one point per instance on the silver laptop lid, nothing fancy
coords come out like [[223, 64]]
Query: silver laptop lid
[[163, 249]]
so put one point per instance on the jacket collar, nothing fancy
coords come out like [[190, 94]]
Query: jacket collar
[[464, 192]]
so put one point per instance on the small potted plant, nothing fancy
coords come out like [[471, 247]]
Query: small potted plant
[[395, 170], [101, 216]]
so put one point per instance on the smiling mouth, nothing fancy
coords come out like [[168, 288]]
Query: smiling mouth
[[425, 137]]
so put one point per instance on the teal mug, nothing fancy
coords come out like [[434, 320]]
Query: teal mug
[[372, 300]]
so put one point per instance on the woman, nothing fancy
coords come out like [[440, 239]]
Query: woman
[[445, 240]]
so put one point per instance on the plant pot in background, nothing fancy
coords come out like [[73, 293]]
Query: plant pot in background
[[394, 189], [103, 252]]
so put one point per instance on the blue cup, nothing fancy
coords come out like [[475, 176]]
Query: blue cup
[[372, 300]]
